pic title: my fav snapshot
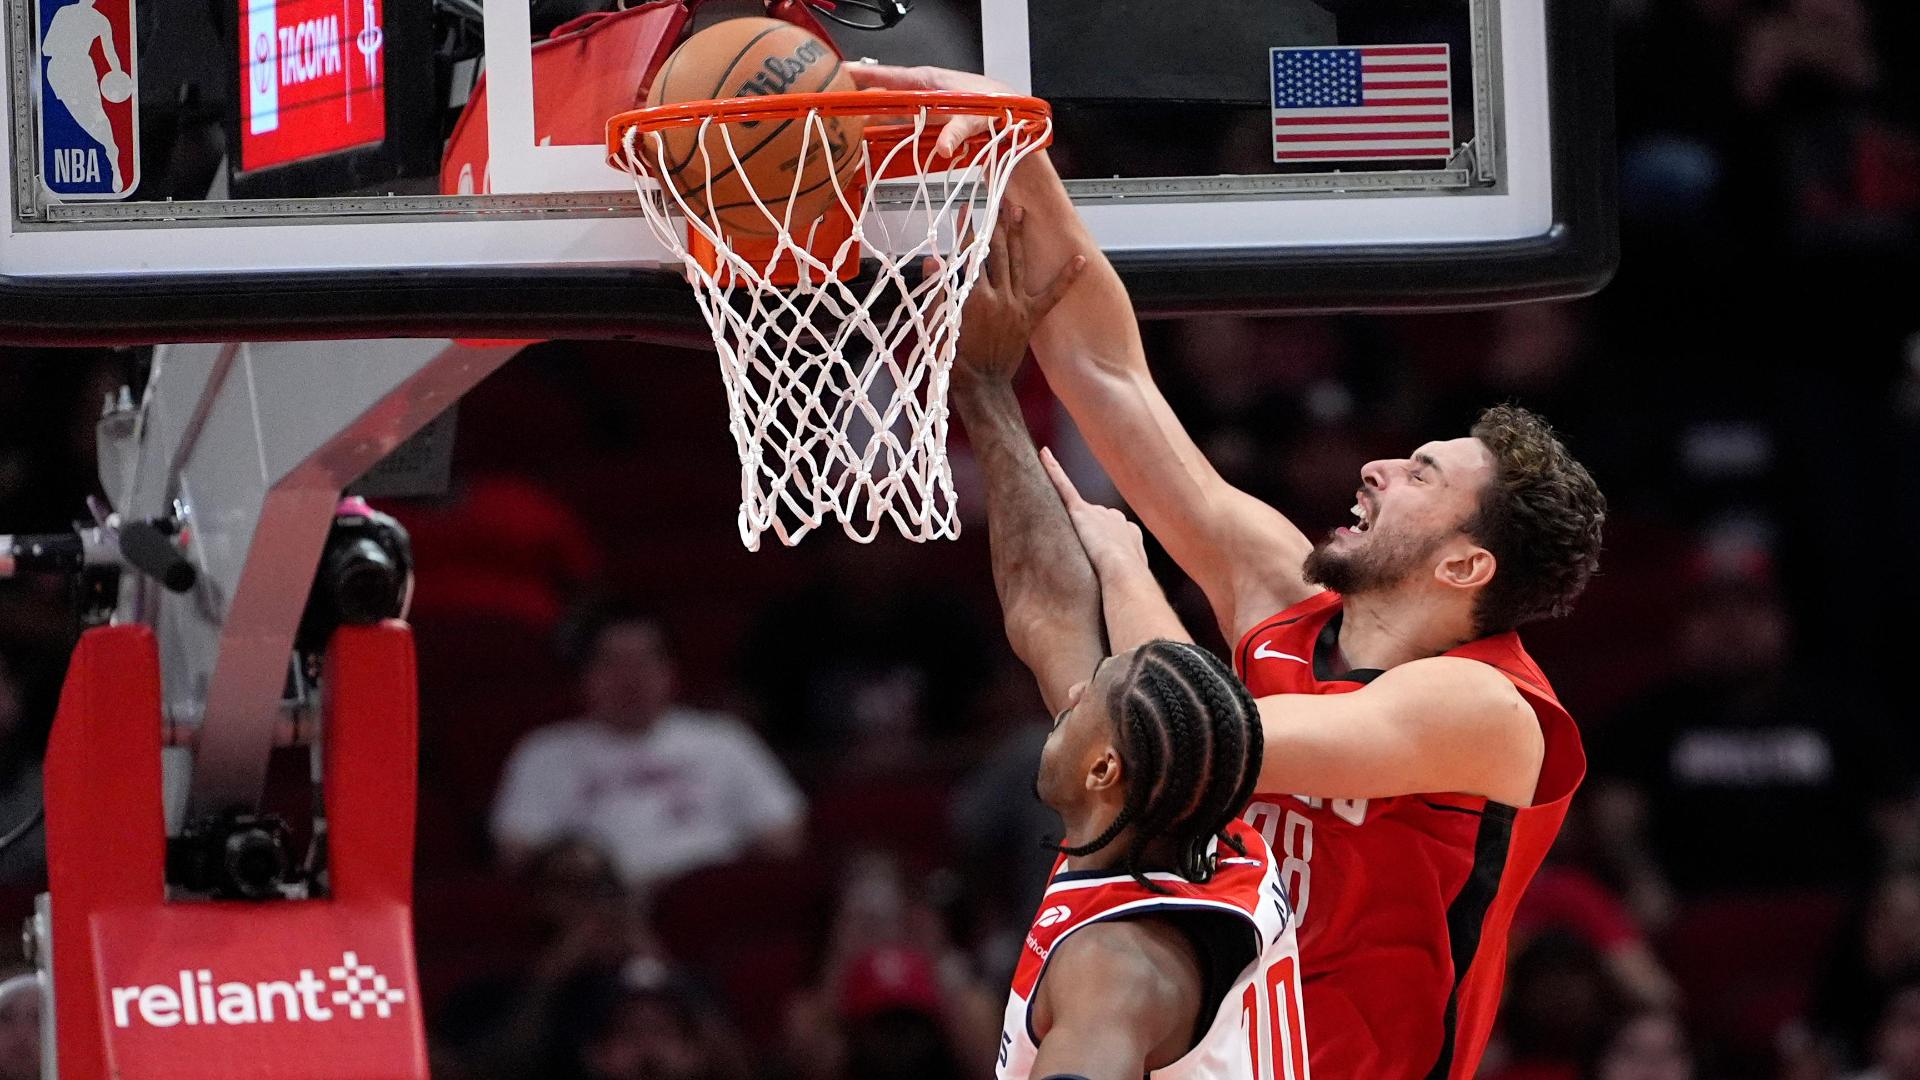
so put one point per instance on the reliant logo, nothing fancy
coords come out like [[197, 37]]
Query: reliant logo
[[197, 1000]]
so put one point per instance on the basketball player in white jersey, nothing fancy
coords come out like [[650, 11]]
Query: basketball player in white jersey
[[1163, 946]]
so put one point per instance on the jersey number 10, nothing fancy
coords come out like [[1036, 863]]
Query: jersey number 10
[[1276, 996]]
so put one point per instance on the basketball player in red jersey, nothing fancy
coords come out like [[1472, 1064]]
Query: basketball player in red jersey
[[1417, 763], [1163, 946]]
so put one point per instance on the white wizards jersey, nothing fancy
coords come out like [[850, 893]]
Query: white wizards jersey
[[1256, 1032]]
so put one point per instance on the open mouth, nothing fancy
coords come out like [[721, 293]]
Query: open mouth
[[1362, 516]]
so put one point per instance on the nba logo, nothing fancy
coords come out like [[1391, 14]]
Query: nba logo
[[89, 108]]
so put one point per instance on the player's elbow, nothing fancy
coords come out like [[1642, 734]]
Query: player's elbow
[[1097, 373], [1034, 627], [1115, 371]]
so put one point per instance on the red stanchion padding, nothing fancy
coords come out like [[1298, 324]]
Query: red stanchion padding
[[372, 753], [106, 834], [320, 989]]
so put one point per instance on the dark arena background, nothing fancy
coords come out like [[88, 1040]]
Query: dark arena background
[[1736, 894]]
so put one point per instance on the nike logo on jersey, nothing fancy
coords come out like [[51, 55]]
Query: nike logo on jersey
[[1262, 652]]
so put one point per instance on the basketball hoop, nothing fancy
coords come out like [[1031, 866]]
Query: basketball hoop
[[836, 336]]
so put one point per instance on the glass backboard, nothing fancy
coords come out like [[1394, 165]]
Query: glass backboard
[[313, 168]]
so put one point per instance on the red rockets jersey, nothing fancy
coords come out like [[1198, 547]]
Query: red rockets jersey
[[1402, 904], [1251, 953]]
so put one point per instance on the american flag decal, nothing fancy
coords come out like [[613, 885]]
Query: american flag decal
[[1362, 103]]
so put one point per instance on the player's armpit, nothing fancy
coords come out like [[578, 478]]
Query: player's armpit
[[1244, 554], [1444, 724], [1118, 999]]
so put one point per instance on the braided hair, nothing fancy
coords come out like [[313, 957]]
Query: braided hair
[[1189, 740]]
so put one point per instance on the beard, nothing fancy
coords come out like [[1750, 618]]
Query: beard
[[1381, 562]]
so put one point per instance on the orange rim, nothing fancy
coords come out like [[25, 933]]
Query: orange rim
[[936, 103]]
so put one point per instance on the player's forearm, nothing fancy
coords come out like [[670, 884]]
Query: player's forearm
[[1090, 348], [1136, 608], [1049, 596], [1094, 328]]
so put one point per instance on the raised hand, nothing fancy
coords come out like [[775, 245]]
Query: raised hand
[[1001, 312], [956, 130], [1114, 545]]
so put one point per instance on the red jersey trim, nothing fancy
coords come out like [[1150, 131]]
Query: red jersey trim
[[1133, 909], [1294, 614], [1467, 920]]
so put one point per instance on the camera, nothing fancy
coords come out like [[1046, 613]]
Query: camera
[[365, 575], [232, 857]]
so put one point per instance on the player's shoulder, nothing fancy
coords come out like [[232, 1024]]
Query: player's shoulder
[[1142, 963], [1506, 653], [1467, 697], [1455, 684], [1243, 870]]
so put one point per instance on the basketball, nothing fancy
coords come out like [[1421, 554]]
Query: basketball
[[117, 86], [745, 58]]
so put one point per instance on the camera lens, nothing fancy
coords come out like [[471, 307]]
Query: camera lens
[[365, 583], [255, 863]]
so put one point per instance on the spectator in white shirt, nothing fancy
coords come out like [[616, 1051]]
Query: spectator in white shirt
[[661, 788]]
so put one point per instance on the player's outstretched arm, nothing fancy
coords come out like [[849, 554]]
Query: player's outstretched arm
[[1118, 999], [1443, 724], [1049, 597], [1136, 608], [1244, 554]]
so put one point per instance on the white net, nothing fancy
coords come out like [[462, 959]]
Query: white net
[[838, 389]]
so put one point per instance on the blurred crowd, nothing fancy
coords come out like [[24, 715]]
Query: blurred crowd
[[693, 814]]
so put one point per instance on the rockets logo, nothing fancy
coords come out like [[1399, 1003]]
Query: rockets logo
[[89, 105], [369, 39]]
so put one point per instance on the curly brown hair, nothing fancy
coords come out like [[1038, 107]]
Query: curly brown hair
[[1540, 516]]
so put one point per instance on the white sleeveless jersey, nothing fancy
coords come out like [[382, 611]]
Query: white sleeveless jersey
[[1257, 1031]]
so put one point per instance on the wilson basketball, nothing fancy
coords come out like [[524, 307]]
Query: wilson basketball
[[744, 58]]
